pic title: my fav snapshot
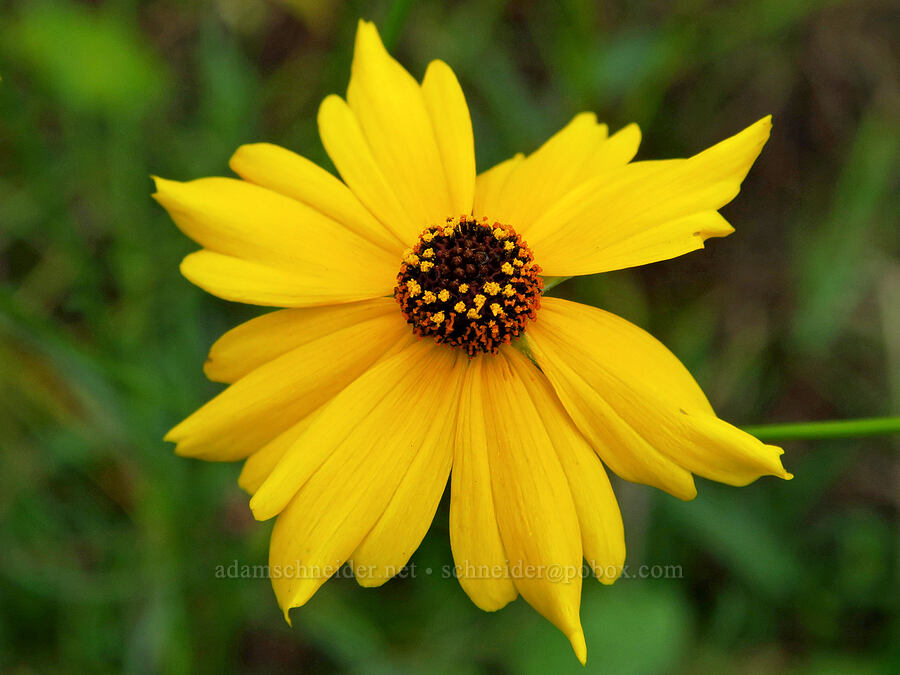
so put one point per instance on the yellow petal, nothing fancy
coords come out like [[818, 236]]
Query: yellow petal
[[367, 437], [258, 341], [645, 211], [615, 152], [348, 149], [387, 147], [281, 170], [666, 240], [478, 552], [574, 155], [361, 405], [453, 129], [399, 531], [547, 174], [489, 188], [260, 284], [277, 395], [391, 110], [535, 511], [637, 404], [261, 463], [271, 240], [602, 533]]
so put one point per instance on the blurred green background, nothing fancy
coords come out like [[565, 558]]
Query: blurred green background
[[109, 542]]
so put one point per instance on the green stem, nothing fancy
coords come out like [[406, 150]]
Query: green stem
[[871, 426], [393, 25]]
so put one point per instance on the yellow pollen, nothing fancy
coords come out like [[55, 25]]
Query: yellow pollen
[[443, 295], [410, 258], [429, 297], [426, 265], [479, 301], [497, 309], [508, 290], [506, 268], [427, 236], [508, 246], [473, 314], [437, 318], [499, 233], [516, 262], [428, 253], [449, 230], [491, 288], [413, 286], [460, 307], [464, 288]]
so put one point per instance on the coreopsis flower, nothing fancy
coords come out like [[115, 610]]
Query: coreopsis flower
[[416, 346]]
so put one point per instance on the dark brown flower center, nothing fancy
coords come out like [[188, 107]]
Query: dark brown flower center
[[469, 284]]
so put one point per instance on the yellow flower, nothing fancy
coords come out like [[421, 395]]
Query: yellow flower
[[350, 427]]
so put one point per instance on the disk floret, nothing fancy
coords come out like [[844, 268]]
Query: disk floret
[[469, 284]]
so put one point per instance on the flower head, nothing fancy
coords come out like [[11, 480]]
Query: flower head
[[416, 348]]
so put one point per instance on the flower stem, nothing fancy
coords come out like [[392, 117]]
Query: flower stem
[[393, 25], [870, 426]]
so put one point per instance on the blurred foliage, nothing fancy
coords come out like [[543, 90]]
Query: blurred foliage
[[108, 543]]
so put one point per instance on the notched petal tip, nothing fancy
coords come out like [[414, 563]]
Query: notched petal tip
[[180, 436], [261, 507], [585, 117], [770, 462], [177, 198], [368, 42], [165, 189], [702, 235], [780, 471], [176, 433]]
